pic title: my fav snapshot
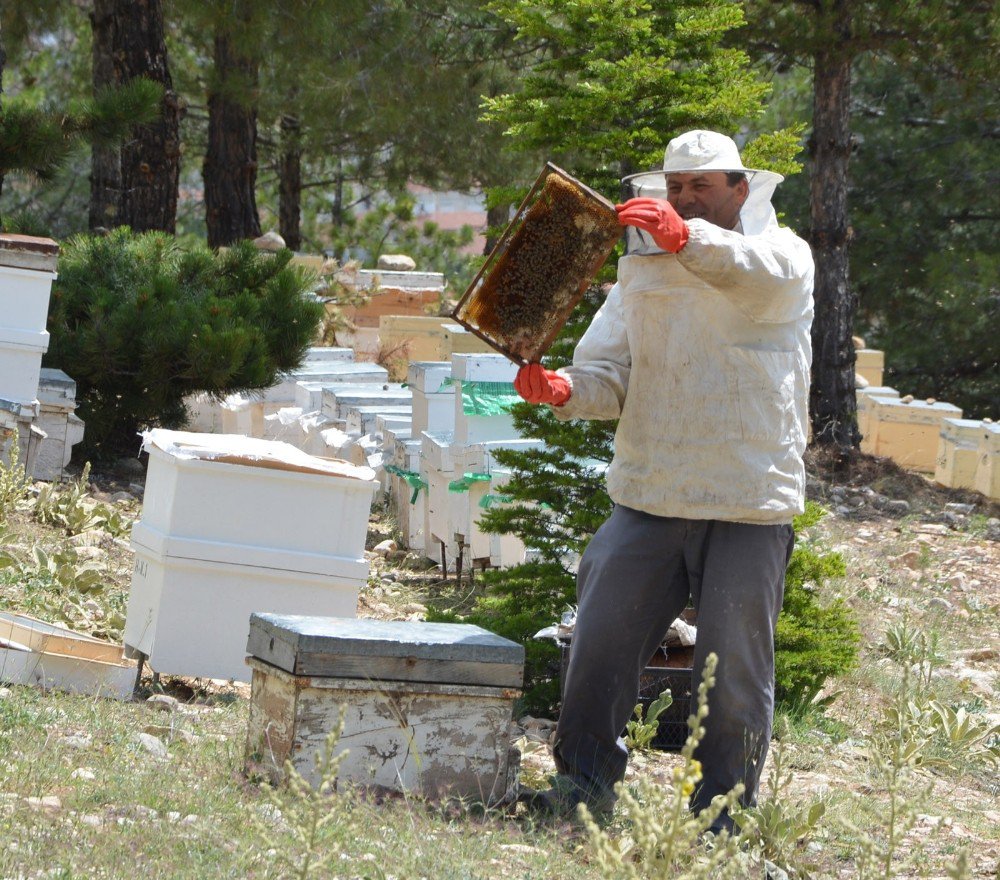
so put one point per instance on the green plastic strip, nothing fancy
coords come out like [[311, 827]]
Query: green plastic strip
[[485, 398], [468, 478], [488, 500], [415, 481]]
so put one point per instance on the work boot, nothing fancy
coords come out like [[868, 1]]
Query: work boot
[[560, 802]]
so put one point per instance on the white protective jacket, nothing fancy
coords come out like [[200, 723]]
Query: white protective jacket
[[704, 356]]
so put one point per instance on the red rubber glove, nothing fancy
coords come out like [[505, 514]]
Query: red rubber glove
[[658, 218], [537, 385]]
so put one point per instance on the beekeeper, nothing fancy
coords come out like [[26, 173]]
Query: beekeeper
[[702, 351]]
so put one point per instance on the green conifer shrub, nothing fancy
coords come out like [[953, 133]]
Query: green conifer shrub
[[141, 322]]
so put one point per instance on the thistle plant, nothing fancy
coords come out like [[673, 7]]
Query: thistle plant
[[665, 839]]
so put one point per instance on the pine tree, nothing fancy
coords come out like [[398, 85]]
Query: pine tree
[[952, 37]]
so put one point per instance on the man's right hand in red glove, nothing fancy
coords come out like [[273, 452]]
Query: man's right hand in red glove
[[657, 217], [537, 385]]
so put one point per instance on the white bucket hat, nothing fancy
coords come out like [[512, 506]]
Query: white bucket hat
[[701, 150]]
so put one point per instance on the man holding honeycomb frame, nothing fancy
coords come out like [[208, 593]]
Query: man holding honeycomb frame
[[702, 351]]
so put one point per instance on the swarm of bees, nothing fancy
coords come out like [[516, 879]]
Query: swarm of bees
[[540, 269]]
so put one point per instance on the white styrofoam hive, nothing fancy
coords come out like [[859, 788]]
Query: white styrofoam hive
[[253, 502], [428, 376], [483, 368], [24, 298], [190, 601], [21, 363]]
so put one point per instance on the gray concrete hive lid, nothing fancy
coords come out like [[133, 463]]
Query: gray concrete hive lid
[[378, 649]]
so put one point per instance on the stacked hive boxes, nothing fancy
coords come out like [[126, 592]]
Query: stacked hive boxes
[[232, 525], [456, 465], [958, 453], [27, 270]]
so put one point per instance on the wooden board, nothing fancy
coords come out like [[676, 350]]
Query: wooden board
[[37, 635]]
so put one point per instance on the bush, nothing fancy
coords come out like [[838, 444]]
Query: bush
[[140, 323]]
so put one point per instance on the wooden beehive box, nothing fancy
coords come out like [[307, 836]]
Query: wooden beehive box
[[988, 466], [958, 453], [907, 431], [427, 706]]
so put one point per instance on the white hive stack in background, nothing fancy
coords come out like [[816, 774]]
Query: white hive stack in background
[[57, 418], [233, 525], [27, 270]]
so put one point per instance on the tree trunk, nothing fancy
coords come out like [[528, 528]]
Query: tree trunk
[[105, 162], [3, 64], [290, 184], [150, 159], [833, 406], [230, 168], [496, 221]]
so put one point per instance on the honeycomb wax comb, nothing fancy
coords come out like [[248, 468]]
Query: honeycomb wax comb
[[547, 256]]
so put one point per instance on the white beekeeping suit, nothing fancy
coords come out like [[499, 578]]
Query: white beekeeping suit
[[704, 357]]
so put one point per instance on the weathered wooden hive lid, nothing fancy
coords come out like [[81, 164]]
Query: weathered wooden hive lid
[[28, 252], [378, 650]]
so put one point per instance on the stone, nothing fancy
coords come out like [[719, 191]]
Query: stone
[[384, 548], [897, 505], [163, 703], [6, 693], [77, 741], [941, 604], [270, 241], [48, 804], [396, 263], [155, 746], [84, 773]]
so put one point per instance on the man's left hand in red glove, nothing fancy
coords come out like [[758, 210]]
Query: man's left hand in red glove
[[657, 217], [537, 385]]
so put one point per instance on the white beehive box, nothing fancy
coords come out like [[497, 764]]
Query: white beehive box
[[329, 373], [336, 401], [427, 706], [27, 270], [216, 487], [324, 354], [908, 433], [190, 600], [958, 453], [58, 419], [408, 502], [476, 368], [364, 419], [21, 363], [433, 400], [988, 466]]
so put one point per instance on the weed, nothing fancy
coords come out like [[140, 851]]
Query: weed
[[14, 482], [640, 732], [666, 839], [305, 811], [776, 827]]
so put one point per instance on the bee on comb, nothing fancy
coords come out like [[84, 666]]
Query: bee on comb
[[540, 268]]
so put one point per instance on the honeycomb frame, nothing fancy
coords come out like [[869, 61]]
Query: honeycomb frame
[[558, 239]]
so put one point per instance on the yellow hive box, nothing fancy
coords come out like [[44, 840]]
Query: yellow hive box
[[870, 364], [864, 398], [458, 340], [958, 453], [988, 467], [415, 337], [908, 433]]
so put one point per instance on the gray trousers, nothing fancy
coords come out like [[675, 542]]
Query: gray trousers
[[634, 579]]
